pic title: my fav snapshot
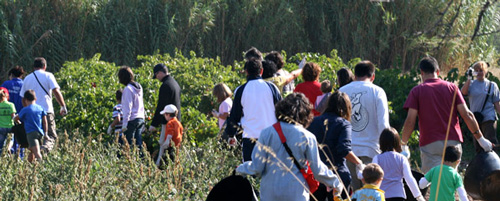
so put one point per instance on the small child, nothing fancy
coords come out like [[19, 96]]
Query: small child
[[223, 94], [396, 167], [117, 117], [450, 179], [173, 132], [372, 178], [7, 112], [321, 101], [35, 123]]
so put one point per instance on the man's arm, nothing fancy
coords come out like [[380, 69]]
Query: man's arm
[[44, 123], [60, 100], [409, 124], [471, 122], [497, 106]]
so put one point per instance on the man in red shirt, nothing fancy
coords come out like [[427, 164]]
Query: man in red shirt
[[432, 101]]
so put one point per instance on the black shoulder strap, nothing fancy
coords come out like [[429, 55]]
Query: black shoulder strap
[[40, 84], [486, 99]]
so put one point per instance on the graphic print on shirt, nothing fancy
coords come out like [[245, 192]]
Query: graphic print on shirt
[[359, 117]]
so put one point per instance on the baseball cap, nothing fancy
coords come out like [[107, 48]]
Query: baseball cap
[[159, 67], [169, 109], [4, 90]]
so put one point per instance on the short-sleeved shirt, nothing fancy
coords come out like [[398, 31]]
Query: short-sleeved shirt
[[225, 107], [477, 93], [6, 110], [14, 86], [433, 100], [48, 81], [450, 181], [369, 192], [279, 81], [31, 116], [117, 112], [312, 89]]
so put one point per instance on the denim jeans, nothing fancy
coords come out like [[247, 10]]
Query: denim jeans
[[134, 131], [3, 136]]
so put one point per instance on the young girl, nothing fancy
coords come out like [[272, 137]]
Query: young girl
[[223, 94], [7, 112], [395, 167]]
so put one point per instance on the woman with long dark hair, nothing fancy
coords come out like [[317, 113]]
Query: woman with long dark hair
[[333, 132]]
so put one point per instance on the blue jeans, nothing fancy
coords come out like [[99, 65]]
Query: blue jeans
[[3, 136], [134, 131]]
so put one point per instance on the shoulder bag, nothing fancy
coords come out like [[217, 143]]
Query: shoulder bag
[[479, 117], [311, 182]]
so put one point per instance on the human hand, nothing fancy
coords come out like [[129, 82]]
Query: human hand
[[359, 170], [152, 129], [338, 189], [231, 141], [215, 113], [485, 144], [110, 130], [406, 151], [63, 111]]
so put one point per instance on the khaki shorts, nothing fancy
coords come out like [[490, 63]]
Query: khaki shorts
[[432, 153], [34, 138]]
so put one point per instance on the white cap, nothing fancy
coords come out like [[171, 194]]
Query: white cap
[[169, 109]]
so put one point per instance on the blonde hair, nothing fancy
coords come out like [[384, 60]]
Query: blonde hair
[[481, 65], [221, 91]]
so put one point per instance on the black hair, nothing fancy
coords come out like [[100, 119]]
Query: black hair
[[389, 140], [30, 95], [452, 154], [295, 108], [17, 71], [253, 53], [118, 94], [40, 62], [364, 69], [125, 75], [428, 65], [275, 57], [269, 69], [344, 76], [253, 67]]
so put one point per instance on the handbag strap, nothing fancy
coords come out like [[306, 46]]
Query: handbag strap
[[41, 84], [486, 99], [277, 126]]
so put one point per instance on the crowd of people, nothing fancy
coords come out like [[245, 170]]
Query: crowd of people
[[337, 131]]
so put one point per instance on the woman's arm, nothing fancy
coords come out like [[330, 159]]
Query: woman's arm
[[465, 88], [294, 74], [351, 157], [223, 115]]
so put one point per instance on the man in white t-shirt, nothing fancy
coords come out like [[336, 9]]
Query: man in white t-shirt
[[44, 84], [370, 115]]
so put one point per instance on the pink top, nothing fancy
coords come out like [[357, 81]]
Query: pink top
[[433, 100]]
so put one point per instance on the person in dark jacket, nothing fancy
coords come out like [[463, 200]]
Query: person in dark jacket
[[170, 93]]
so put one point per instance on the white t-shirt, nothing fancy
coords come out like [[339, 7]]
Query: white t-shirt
[[225, 107], [48, 81], [370, 116]]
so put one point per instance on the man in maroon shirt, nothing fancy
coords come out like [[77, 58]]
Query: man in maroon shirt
[[432, 101]]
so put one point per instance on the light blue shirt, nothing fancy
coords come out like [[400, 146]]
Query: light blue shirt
[[477, 93], [280, 176]]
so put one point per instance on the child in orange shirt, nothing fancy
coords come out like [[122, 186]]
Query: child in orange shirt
[[173, 133]]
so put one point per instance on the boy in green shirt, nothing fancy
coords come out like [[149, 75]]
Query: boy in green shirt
[[450, 179]]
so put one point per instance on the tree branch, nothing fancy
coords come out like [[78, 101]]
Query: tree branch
[[480, 18]]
